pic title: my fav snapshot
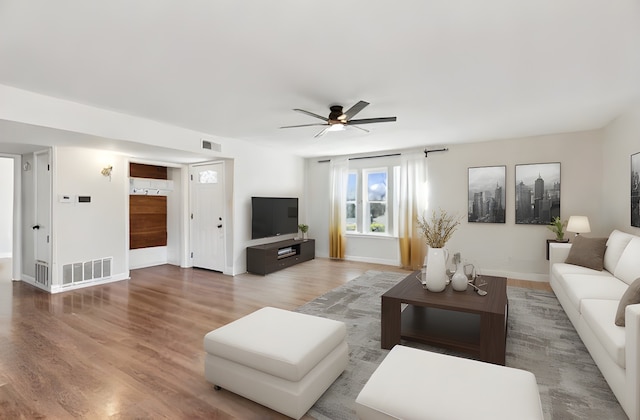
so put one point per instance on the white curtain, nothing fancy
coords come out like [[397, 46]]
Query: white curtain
[[413, 199], [338, 207]]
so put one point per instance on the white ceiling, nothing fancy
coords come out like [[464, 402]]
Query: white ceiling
[[450, 70]]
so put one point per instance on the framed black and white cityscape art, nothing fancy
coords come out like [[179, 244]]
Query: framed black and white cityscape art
[[635, 190], [537, 193], [486, 194]]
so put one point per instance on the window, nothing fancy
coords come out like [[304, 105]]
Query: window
[[352, 202], [376, 201], [370, 200]]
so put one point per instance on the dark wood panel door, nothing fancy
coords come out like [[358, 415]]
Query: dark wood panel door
[[147, 221]]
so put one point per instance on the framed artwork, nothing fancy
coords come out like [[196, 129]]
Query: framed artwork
[[635, 190], [537, 193], [486, 194]]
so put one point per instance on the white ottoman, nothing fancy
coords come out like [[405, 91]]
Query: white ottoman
[[281, 359], [417, 384]]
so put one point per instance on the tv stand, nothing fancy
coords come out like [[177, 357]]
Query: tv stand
[[267, 258]]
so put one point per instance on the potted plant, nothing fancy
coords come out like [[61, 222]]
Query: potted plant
[[303, 228], [557, 226]]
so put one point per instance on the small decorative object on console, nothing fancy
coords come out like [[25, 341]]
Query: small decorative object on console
[[303, 228], [557, 226], [459, 279]]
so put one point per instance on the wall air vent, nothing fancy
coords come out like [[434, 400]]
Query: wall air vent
[[88, 270], [209, 145], [42, 273]]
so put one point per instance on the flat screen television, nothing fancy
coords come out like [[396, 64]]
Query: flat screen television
[[273, 216]]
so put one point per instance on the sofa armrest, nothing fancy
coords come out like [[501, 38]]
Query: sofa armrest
[[632, 355], [558, 252]]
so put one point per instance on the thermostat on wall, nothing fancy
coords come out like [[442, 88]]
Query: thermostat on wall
[[84, 199]]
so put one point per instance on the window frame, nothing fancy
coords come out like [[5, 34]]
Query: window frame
[[361, 170]]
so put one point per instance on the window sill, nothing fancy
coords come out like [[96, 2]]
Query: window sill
[[370, 236]]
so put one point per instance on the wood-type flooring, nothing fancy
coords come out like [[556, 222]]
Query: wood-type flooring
[[133, 349]]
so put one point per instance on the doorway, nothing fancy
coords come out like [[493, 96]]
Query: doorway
[[6, 218], [208, 215]]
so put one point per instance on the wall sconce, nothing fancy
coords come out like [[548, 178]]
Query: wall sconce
[[106, 171], [578, 224]]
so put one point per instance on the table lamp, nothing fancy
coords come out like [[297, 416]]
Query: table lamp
[[578, 225]]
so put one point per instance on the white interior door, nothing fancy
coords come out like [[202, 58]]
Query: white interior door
[[42, 222], [207, 216]]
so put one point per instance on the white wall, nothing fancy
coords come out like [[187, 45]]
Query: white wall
[[252, 170], [40, 110], [622, 139], [6, 207], [265, 173], [517, 251], [89, 231], [317, 214]]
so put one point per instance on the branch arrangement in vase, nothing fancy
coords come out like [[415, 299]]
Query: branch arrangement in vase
[[439, 228]]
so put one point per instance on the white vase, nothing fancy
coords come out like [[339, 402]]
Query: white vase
[[459, 279], [436, 272]]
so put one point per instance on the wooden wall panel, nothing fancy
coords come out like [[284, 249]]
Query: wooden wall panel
[[139, 170], [147, 221]]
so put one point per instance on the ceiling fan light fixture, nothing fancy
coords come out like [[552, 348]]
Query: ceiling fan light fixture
[[339, 120], [336, 127]]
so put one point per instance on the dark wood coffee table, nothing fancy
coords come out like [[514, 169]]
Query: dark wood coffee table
[[460, 321]]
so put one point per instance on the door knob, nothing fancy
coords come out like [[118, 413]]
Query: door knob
[[219, 226], [36, 227]]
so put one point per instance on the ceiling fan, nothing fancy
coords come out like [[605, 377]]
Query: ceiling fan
[[339, 120]]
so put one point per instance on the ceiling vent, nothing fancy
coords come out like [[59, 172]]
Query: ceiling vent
[[209, 145]]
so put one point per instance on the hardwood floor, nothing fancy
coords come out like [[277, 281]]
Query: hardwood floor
[[133, 349]]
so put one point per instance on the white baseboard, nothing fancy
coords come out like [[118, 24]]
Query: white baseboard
[[382, 261], [32, 281], [112, 279]]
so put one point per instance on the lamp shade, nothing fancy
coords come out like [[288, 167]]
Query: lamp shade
[[578, 224]]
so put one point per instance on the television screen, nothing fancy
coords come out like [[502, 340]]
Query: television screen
[[273, 216]]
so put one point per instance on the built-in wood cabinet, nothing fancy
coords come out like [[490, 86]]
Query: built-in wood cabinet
[[147, 221], [147, 213]]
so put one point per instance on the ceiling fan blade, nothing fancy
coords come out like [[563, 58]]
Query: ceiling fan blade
[[320, 134], [351, 112], [303, 125], [359, 128], [312, 114], [373, 120]]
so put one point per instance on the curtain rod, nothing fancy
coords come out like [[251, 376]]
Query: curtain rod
[[364, 157], [426, 151]]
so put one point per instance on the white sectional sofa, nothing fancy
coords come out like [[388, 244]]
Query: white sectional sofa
[[591, 299]]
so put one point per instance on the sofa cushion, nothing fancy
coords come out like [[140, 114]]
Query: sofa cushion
[[561, 269], [599, 314], [628, 268], [630, 297], [579, 287], [588, 252], [615, 245]]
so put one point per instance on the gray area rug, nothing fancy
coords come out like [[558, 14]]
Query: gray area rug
[[540, 339]]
